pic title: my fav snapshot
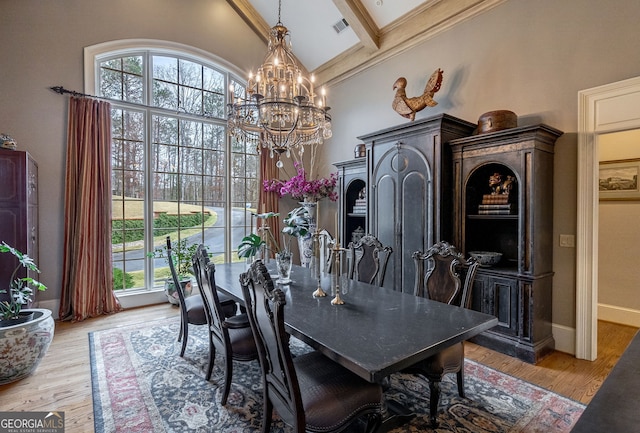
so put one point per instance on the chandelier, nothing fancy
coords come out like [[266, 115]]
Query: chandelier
[[280, 109]]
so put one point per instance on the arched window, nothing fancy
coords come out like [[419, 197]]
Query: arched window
[[175, 171]]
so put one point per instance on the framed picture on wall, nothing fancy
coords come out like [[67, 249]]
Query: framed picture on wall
[[619, 179]]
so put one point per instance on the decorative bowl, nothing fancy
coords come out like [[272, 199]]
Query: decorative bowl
[[486, 258]]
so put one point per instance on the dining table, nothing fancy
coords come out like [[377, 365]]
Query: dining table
[[376, 331]]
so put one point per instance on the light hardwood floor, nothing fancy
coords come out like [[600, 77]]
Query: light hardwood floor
[[62, 382]]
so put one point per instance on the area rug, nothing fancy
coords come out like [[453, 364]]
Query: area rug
[[142, 385]]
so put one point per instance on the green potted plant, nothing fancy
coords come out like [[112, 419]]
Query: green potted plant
[[25, 333], [253, 243], [182, 253], [296, 225], [19, 290]]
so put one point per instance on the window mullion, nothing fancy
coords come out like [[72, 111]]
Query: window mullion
[[149, 174]]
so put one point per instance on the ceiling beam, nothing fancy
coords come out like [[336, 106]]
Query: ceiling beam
[[404, 33], [253, 19], [360, 21]]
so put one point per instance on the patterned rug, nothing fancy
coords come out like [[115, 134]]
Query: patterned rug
[[141, 385]]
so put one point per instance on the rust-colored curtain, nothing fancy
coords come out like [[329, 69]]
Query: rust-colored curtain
[[87, 286], [268, 200]]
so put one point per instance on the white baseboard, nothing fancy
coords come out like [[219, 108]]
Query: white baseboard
[[616, 314], [565, 338]]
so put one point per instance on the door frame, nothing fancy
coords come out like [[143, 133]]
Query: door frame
[[603, 109]]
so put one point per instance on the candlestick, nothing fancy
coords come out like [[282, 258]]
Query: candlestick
[[319, 293], [337, 272]]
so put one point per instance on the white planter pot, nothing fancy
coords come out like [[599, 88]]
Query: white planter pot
[[23, 346], [170, 289]]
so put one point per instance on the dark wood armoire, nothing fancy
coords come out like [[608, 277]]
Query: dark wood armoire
[[18, 210], [410, 189]]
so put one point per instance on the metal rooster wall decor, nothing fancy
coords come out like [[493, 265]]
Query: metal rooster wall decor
[[408, 107]]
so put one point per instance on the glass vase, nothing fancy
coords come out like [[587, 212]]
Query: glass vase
[[305, 243], [283, 266]]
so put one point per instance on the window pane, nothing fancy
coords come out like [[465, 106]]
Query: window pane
[[214, 136], [190, 74], [132, 89], [191, 100], [184, 193], [190, 133], [165, 130], [165, 95], [165, 69], [214, 104], [110, 84], [214, 163], [133, 65], [191, 160], [166, 187], [213, 80]]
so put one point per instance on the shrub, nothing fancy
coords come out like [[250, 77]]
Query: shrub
[[121, 280]]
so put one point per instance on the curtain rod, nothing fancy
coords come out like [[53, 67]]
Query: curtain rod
[[62, 91]]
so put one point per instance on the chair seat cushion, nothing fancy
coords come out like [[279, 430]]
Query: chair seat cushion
[[194, 307], [319, 378], [243, 344], [238, 321]]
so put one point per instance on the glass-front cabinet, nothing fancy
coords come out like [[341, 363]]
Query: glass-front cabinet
[[352, 176], [504, 204]]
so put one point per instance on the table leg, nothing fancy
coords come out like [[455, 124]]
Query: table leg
[[434, 386], [394, 415]]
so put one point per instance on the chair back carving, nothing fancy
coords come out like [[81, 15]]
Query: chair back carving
[[369, 259], [265, 308], [438, 275], [205, 276]]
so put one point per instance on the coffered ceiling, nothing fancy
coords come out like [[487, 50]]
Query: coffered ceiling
[[376, 30]]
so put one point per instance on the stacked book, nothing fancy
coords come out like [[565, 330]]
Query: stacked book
[[495, 204], [360, 206]]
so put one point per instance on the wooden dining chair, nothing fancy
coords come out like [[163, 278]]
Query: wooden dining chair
[[310, 392], [368, 260], [438, 273], [231, 337], [192, 308]]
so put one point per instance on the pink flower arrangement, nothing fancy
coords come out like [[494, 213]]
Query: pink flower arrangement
[[302, 189]]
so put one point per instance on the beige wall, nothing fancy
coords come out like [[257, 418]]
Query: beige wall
[[619, 238], [531, 57]]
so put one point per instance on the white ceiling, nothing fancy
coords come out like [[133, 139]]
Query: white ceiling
[[310, 23], [377, 28]]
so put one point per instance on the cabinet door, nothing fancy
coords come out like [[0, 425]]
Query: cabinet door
[[498, 297], [401, 216]]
